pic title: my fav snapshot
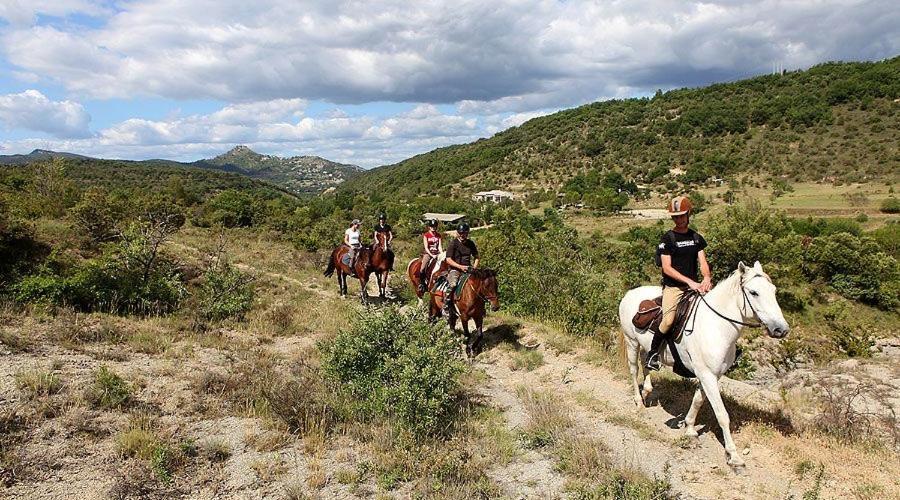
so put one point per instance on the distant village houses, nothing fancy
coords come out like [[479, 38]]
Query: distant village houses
[[495, 196]]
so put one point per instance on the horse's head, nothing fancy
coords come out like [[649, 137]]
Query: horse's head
[[381, 240], [759, 294], [486, 286]]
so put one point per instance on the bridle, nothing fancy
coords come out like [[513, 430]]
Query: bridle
[[480, 295], [745, 302]]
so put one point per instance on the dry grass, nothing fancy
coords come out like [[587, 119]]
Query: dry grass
[[548, 419], [37, 383], [268, 468], [526, 359], [216, 450]]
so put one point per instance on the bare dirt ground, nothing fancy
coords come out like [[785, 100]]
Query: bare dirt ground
[[68, 449]]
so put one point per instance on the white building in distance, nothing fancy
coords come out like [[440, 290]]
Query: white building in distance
[[495, 196]]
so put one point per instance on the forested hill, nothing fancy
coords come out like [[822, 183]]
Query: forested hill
[[297, 174], [835, 120]]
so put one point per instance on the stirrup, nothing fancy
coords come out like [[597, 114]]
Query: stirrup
[[652, 362]]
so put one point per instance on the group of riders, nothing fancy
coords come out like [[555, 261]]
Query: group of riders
[[461, 256], [681, 255]]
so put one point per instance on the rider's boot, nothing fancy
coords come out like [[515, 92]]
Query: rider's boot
[[423, 282], [448, 305], [652, 362]]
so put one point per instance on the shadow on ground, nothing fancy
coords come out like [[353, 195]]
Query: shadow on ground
[[674, 396], [506, 333]]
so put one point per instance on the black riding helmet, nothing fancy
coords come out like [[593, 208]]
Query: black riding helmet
[[462, 228], [431, 223], [382, 217]]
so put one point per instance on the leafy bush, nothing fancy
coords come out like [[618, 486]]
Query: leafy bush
[[552, 276], [225, 292], [890, 205], [400, 367], [748, 233], [19, 251], [97, 215], [856, 268]]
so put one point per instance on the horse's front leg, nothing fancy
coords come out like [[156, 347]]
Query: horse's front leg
[[691, 418], [710, 384], [479, 333], [363, 292], [382, 284], [467, 336]]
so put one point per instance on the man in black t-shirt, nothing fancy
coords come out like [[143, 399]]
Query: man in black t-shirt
[[462, 255], [682, 254]]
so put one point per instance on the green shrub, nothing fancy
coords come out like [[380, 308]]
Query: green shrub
[[749, 233], [130, 276], [856, 268], [553, 276], [97, 215], [225, 292], [19, 250], [108, 390], [888, 238], [890, 205], [398, 366]]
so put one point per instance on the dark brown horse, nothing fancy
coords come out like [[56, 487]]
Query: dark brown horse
[[481, 287], [361, 269], [381, 262]]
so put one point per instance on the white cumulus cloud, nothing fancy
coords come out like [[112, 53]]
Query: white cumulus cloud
[[34, 111]]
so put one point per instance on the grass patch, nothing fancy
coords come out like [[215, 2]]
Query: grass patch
[[527, 359], [147, 342], [108, 390], [34, 384], [548, 419]]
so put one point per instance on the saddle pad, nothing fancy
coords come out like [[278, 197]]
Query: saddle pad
[[648, 310]]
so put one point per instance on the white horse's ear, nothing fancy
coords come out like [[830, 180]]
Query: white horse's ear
[[741, 267], [757, 265]]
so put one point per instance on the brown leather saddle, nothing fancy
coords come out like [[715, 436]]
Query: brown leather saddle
[[649, 314]]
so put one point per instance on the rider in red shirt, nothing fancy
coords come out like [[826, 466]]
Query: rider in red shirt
[[432, 248]]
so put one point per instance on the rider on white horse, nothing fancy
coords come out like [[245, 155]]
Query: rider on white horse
[[681, 250]]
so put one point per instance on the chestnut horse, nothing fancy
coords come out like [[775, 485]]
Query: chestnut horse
[[481, 287], [362, 269], [381, 262], [414, 273]]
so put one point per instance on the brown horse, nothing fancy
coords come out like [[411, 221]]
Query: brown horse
[[481, 287], [381, 262], [414, 273], [362, 269]]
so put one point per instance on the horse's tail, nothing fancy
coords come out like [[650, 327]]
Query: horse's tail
[[330, 269]]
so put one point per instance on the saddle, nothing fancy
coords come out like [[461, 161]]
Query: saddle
[[649, 314], [442, 286]]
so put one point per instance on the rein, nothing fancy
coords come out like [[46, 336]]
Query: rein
[[726, 318]]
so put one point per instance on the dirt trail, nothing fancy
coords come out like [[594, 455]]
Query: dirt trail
[[643, 439]]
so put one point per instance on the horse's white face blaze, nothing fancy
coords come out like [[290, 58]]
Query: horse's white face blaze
[[760, 294]]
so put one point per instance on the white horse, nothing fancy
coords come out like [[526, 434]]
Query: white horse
[[709, 350]]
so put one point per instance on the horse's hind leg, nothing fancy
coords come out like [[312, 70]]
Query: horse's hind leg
[[633, 353], [691, 418], [710, 385]]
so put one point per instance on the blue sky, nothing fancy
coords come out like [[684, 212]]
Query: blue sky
[[372, 83]]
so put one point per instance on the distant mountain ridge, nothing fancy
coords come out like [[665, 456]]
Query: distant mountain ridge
[[298, 174]]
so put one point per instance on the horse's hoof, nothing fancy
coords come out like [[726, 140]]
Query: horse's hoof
[[736, 463], [692, 433]]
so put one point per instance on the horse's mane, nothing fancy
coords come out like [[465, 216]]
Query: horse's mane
[[483, 273]]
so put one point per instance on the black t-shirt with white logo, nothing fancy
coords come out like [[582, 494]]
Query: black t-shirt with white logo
[[683, 247]]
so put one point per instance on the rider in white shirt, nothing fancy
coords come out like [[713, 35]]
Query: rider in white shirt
[[351, 239]]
